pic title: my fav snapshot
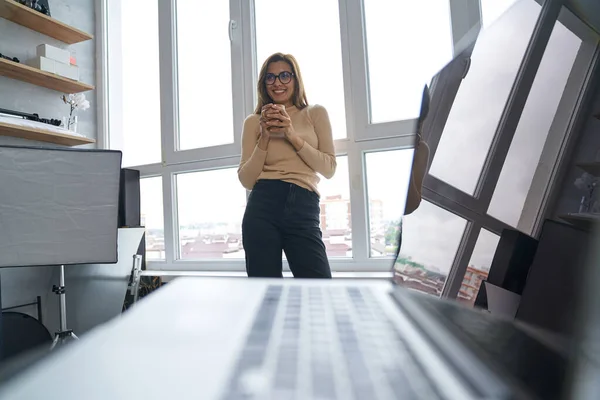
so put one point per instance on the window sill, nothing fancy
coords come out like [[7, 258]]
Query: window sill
[[172, 274]]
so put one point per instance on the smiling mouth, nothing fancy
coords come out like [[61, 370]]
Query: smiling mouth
[[279, 91]]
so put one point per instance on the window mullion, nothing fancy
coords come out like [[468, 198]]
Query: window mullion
[[102, 43], [168, 77], [461, 260], [358, 205], [456, 207], [452, 193], [241, 63], [354, 55], [170, 216], [250, 71]]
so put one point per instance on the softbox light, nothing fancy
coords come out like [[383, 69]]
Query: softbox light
[[58, 206]]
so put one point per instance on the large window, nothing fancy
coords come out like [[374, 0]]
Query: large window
[[151, 208], [430, 239], [181, 81], [387, 176], [404, 58], [310, 31], [210, 209], [479, 266], [204, 71], [336, 215]]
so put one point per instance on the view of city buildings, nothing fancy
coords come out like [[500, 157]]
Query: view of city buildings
[[430, 239], [471, 283], [414, 275], [224, 240]]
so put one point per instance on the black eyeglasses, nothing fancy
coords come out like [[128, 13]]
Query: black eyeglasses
[[284, 77]]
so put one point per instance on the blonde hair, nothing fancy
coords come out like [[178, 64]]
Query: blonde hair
[[299, 97]]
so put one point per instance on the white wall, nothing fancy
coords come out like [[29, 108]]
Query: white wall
[[18, 41], [22, 285]]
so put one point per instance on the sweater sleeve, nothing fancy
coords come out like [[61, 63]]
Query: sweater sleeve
[[253, 158], [322, 159]]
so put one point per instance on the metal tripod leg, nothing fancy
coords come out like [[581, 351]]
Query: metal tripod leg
[[62, 337], [63, 334]]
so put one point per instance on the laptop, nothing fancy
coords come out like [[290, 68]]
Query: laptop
[[232, 338]]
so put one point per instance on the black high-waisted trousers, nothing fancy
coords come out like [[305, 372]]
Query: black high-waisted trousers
[[281, 216]]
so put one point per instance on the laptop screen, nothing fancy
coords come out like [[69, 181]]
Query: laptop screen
[[432, 97]]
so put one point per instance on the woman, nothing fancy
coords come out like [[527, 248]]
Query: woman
[[285, 143]]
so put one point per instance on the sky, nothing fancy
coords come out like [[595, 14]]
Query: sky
[[400, 61]]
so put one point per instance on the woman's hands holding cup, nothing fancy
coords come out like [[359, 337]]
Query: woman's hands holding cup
[[275, 122], [265, 135]]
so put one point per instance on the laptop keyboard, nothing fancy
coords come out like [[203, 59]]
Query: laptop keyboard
[[325, 343], [535, 365]]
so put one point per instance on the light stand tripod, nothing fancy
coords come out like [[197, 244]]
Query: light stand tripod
[[63, 334]]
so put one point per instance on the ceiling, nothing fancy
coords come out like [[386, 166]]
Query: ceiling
[[586, 10]]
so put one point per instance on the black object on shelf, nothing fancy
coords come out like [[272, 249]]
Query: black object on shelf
[[40, 6], [14, 59], [30, 117]]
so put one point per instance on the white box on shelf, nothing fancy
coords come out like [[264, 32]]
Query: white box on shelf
[[67, 70], [43, 63], [54, 53]]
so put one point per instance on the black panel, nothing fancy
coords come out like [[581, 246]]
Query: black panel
[[129, 199], [514, 255]]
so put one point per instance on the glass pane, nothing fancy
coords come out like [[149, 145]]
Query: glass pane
[[530, 137], [310, 31], [336, 219], [136, 129], [408, 42], [205, 88], [430, 239], [151, 205], [482, 96], [386, 200], [479, 266], [210, 226], [491, 10]]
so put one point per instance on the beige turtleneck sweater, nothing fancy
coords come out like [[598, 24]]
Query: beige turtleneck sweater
[[281, 161]]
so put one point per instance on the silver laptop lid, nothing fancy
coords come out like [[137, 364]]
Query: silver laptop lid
[[584, 370], [431, 99]]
